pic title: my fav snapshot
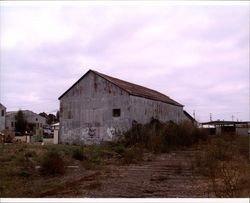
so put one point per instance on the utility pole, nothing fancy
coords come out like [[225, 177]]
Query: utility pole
[[194, 114], [232, 117], [210, 115]]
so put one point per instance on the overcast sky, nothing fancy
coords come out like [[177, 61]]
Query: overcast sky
[[196, 54]]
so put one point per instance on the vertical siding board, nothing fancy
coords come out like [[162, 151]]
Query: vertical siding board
[[160, 110]]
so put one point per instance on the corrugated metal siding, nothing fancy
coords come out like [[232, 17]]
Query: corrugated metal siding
[[142, 110], [86, 116], [86, 111]]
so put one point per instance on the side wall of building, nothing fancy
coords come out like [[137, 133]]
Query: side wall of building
[[2, 117], [34, 118], [143, 110], [10, 121], [243, 129], [86, 111]]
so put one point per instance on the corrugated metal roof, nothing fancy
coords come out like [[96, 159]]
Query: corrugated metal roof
[[138, 90], [133, 89], [219, 122]]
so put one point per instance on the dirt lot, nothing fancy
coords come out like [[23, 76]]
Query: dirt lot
[[168, 175], [172, 174]]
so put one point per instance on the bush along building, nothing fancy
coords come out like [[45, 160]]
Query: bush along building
[[100, 108]]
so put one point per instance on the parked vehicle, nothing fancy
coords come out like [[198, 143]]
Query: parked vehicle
[[47, 132]]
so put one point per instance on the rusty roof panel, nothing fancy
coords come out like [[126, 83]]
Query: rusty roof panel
[[138, 90], [132, 89]]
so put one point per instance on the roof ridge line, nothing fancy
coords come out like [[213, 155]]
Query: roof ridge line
[[130, 88]]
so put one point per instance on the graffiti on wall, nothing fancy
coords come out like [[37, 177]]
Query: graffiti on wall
[[111, 132], [88, 132], [92, 132]]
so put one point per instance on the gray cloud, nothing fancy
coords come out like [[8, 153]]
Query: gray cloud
[[197, 55]]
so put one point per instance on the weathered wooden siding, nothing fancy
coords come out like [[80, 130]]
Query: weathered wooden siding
[[142, 110], [86, 111]]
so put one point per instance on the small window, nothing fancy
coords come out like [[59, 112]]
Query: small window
[[2, 113], [36, 119], [12, 124], [116, 112]]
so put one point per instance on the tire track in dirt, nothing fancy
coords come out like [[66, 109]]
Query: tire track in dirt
[[169, 175], [69, 184]]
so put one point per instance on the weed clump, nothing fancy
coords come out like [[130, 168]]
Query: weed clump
[[30, 154], [225, 167], [133, 154], [52, 164], [159, 137], [78, 154], [119, 148]]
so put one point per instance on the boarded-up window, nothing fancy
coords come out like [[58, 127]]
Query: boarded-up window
[[2, 113], [116, 112]]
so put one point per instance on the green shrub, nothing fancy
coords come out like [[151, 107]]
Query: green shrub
[[52, 163], [78, 154]]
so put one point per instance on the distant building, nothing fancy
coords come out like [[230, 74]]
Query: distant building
[[228, 127], [2, 117], [242, 128], [34, 121], [99, 108]]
